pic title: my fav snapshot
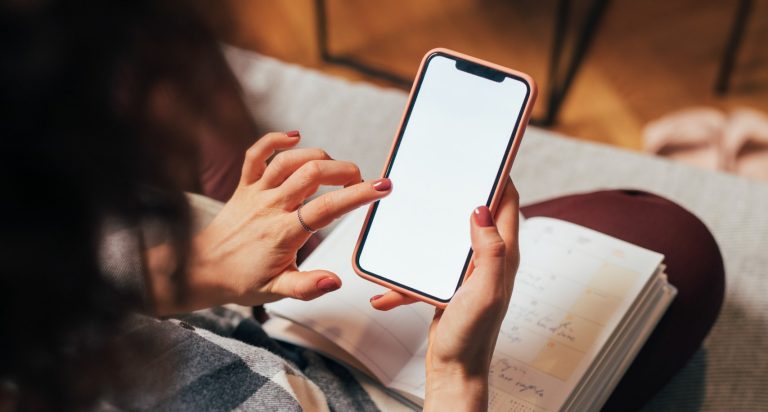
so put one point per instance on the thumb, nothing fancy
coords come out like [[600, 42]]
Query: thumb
[[488, 246], [304, 285]]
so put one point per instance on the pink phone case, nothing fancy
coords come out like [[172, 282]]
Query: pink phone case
[[499, 189]]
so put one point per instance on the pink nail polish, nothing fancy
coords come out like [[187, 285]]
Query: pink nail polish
[[292, 133], [376, 297], [328, 284], [382, 185], [482, 216]]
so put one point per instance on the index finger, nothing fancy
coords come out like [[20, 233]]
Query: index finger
[[320, 212], [391, 300]]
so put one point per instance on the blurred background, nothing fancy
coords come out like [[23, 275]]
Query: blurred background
[[604, 68]]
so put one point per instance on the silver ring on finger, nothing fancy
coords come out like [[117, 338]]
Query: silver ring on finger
[[304, 224]]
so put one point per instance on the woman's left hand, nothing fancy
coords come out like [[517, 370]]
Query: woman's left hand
[[462, 337], [247, 255]]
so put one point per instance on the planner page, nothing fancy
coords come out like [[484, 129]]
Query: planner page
[[573, 289]]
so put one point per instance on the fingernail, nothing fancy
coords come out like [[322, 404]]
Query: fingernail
[[483, 216], [328, 284], [382, 185], [376, 297], [292, 133]]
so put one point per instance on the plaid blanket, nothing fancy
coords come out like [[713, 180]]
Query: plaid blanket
[[217, 359]]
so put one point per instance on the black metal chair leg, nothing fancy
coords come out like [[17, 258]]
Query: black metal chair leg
[[722, 83], [321, 24], [562, 17], [559, 90]]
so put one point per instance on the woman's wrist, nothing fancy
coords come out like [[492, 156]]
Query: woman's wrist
[[456, 389], [203, 285]]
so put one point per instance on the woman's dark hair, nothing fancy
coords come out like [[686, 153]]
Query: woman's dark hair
[[98, 100]]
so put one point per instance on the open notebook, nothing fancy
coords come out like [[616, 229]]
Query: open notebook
[[583, 305]]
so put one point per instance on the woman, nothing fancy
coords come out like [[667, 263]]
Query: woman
[[102, 102], [111, 110]]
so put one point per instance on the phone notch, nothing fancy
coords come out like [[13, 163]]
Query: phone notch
[[482, 71]]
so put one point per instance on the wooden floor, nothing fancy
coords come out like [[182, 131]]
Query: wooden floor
[[648, 58]]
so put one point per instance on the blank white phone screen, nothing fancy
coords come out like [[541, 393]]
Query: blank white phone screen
[[449, 156]]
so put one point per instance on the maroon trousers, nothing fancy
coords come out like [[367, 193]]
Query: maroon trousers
[[694, 264]]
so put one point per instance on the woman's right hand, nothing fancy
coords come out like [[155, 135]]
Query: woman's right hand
[[247, 254], [463, 336]]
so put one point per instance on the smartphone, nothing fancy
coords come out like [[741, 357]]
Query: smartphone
[[459, 134]]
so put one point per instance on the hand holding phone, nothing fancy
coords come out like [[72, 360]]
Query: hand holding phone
[[459, 134], [462, 337]]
